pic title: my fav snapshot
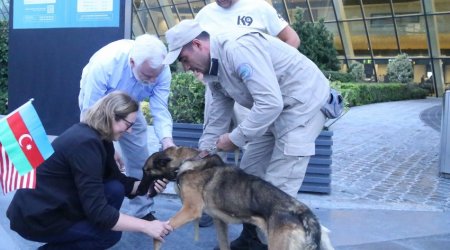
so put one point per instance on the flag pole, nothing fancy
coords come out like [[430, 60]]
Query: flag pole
[[21, 106]]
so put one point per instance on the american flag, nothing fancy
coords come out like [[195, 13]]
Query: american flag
[[10, 179]]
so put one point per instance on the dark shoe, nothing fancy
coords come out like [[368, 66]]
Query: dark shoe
[[205, 220], [247, 240], [149, 216]]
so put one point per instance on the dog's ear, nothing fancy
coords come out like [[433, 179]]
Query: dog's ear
[[161, 161]]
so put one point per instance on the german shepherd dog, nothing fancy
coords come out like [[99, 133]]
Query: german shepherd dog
[[230, 195]]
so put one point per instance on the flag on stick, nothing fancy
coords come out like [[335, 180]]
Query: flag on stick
[[10, 179], [24, 146]]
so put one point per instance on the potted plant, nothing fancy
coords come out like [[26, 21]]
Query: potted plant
[[186, 104]]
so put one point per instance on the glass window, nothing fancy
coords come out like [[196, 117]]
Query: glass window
[[4, 10], [358, 38], [163, 3], [380, 68], [184, 10], [446, 70], [422, 70], [294, 5], [412, 36], [143, 22], [197, 6], [332, 27], [441, 5], [156, 18], [175, 1], [382, 37], [148, 3], [352, 9], [379, 8], [278, 5], [407, 6], [137, 26], [322, 10], [443, 29]]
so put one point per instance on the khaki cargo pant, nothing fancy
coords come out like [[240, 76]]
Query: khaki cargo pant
[[283, 161]]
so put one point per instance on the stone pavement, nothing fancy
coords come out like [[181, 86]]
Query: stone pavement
[[386, 190], [385, 156]]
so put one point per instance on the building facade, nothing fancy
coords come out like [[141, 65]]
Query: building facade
[[369, 31]]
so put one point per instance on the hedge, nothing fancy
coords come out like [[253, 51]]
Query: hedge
[[3, 66], [186, 101], [356, 94]]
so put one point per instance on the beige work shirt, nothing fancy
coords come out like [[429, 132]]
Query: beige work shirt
[[279, 84]]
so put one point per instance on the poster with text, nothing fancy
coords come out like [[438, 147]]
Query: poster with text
[[45, 14]]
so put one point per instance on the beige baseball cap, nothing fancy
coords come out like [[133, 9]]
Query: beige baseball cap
[[180, 35]]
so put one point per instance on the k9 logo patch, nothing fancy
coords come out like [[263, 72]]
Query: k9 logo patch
[[245, 71], [244, 20]]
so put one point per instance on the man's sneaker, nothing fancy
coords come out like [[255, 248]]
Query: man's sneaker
[[205, 220], [149, 216]]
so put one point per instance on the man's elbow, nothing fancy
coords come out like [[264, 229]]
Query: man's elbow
[[295, 42]]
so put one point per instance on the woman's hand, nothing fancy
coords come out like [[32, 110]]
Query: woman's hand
[[158, 229], [158, 187], [155, 229]]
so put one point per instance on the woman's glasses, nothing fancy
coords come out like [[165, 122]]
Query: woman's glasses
[[129, 124]]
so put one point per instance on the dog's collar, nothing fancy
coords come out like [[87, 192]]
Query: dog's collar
[[203, 154]]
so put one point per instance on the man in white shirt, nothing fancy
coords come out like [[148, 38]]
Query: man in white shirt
[[223, 15]]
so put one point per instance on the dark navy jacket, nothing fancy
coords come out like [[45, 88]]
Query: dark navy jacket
[[69, 186]]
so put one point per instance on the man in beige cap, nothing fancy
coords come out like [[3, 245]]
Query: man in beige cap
[[283, 89]]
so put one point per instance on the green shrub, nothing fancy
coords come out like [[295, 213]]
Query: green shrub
[[357, 71], [400, 69], [356, 94], [147, 113], [186, 99], [338, 76], [317, 42], [3, 66]]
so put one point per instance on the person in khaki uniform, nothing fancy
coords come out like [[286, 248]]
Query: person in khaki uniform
[[222, 15], [283, 89]]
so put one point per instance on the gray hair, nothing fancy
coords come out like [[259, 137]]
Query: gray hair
[[112, 107], [148, 47]]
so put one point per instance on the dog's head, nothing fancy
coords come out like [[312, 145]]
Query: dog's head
[[165, 164]]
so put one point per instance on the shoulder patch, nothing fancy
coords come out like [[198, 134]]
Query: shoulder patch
[[245, 71]]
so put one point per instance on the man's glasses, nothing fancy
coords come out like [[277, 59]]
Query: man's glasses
[[129, 124]]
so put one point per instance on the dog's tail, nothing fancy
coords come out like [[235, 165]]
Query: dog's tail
[[312, 230], [325, 243]]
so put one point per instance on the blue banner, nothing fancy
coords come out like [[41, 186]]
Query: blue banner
[[42, 14]]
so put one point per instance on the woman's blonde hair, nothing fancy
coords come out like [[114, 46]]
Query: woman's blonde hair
[[112, 107]]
